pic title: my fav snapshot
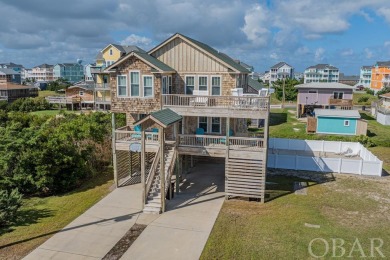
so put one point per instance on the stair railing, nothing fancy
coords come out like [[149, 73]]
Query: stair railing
[[170, 171], [152, 173]]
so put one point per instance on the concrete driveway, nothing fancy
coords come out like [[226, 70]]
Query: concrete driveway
[[182, 231]]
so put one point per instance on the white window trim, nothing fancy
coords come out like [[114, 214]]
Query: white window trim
[[139, 84], [220, 84], [143, 87], [81, 93], [117, 86], [347, 123], [210, 125], [185, 83], [207, 85]]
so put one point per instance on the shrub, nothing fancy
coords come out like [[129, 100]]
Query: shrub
[[10, 203], [364, 140], [29, 104], [369, 91], [363, 99]]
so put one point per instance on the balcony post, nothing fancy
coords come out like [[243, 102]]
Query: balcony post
[[114, 162], [143, 164]]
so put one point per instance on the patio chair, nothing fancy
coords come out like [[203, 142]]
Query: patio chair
[[138, 130], [150, 136], [223, 139], [352, 154], [198, 100], [199, 131], [346, 151]]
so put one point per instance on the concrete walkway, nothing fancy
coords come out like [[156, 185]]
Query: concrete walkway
[[95, 232], [182, 231]]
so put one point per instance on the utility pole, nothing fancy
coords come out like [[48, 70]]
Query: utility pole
[[284, 95]]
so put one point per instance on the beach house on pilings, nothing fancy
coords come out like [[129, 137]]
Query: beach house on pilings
[[185, 100]]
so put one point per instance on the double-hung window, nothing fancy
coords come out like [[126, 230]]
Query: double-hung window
[[134, 84], [203, 123], [190, 84], [169, 84], [122, 85], [215, 124], [338, 95], [165, 85], [202, 80], [148, 86], [215, 86]]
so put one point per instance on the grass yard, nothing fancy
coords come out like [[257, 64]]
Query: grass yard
[[357, 96], [40, 218], [349, 207], [46, 93]]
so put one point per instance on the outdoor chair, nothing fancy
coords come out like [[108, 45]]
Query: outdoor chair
[[138, 130], [199, 131], [198, 100], [223, 139], [352, 154], [346, 151], [150, 136]]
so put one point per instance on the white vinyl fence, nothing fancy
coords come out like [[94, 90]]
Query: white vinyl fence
[[314, 155]]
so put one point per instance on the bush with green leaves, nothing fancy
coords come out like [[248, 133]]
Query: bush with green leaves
[[369, 91], [29, 104], [10, 202], [383, 91], [363, 99]]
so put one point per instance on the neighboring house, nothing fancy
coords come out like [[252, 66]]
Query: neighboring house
[[26, 74], [349, 80], [12, 66], [321, 73], [72, 72], [106, 57], [11, 76], [323, 95], [10, 91], [365, 76], [281, 71], [181, 107], [87, 72], [380, 75], [42, 73], [78, 96], [266, 77], [381, 109], [339, 122], [298, 76]]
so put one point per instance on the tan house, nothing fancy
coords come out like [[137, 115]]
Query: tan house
[[185, 100]]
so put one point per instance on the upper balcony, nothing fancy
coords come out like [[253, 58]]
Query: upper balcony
[[386, 80], [102, 86], [250, 106]]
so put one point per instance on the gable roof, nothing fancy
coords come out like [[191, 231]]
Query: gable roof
[[148, 59], [322, 66], [366, 67], [280, 64], [225, 59], [383, 63], [256, 85], [8, 72], [44, 66], [336, 113], [164, 117], [324, 85]]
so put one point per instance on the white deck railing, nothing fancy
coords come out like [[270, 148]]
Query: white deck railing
[[124, 135], [233, 102]]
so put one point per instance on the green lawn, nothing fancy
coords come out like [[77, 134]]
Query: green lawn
[[46, 93], [278, 229], [40, 218], [357, 96]]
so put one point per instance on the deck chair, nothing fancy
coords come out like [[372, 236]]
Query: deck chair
[[138, 130], [346, 151], [199, 131], [352, 154], [199, 100], [223, 139], [150, 136]]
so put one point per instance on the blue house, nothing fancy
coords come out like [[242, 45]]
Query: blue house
[[340, 122]]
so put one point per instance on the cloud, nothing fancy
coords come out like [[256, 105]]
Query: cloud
[[385, 12], [348, 52], [274, 56], [319, 54], [302, 50], [255, 27], [368, 53], [387, 44], [137, 40]]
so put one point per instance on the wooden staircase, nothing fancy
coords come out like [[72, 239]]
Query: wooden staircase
[[245, 177], [153, 199]]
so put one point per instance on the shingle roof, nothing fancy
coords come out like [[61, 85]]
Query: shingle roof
[[330, 85], [366, 67], [255, 84], [336, 113], [11, 64], [164, 117], [383, 63], [44, 66], [9, 72], [322, 66], [280, 64], [225, 58], [9, 85]]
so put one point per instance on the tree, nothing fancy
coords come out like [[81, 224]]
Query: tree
[[383, 91], [290, 91]]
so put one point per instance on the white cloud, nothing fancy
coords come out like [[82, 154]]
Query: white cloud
[[255, 27], [319, 54], [137, 40], [348, 52], [385, 12], [302, 50], [368, 53], [387, 44], [274, 56]]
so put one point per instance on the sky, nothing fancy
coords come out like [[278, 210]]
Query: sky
[[345, 33]]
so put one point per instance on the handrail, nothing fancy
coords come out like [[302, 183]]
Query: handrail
[[152, 173], [230, 102], [170, 170], [235, 143]]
